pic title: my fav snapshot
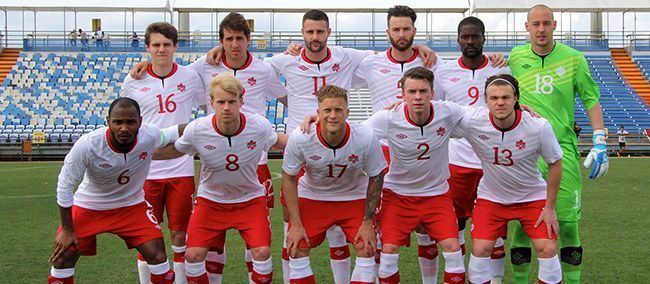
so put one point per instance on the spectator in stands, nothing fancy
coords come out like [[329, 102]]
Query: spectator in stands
[[622, 133], [135, 41], [577, 129], [99, 38], [72, 36], [84, 39]]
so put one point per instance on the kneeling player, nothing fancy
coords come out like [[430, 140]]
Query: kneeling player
[[344, 166], [230, 144], [113, 164], [509, 142]]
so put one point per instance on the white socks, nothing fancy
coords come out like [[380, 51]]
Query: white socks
[[550, 270]]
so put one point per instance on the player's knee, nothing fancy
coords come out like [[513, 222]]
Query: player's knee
[[67, 260], [571, 255], [450, 245], [547, 249], [389, 248], [261, 253], [520, 255], [361, 251], [178, 238], [195, 255], [481, 250]]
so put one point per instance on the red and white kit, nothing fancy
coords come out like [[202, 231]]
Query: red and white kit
[[304, 77], [333, 176]]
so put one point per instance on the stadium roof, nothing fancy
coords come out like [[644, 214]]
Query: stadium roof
[[562, 5], [446, 6], [87, 6]]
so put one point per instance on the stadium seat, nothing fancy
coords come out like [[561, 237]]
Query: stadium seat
[[74, 137], [55, 137], [13, 138], [4, 138], [65, 137]]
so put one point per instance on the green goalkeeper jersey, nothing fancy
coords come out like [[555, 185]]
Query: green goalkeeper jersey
[[550, 83]]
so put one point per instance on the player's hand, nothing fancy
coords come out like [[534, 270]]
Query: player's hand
[[294, 236], [394, 105], [530, 110], [498, 60], [427, 54], [138, 71], [61, 243], [214, 55], [293, 49], [597, 158], [367, 236], [550, 219], [304, 126]]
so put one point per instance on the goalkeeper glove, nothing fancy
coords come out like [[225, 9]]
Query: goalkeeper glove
[[597, 158]]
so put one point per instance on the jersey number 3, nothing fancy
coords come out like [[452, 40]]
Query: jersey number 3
[[507, 155]]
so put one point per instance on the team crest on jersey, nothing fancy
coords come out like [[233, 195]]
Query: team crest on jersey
[[303, 67], [314, 157], [353, 158], [180, 87], [214, 74], [454, 80], [336, 67], [525, 66], [520, 145], [105, 166], [441, 131], [251, 145], [385, 71], [483, 137], [209, 147], [252, 82], [401, 136], [560, 71], [145, 89], [143, 156]]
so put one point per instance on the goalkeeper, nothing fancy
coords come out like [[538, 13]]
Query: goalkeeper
[[550, 75]]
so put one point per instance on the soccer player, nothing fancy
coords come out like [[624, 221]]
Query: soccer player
[[167, 94], [622, 133], [416, 191], [343, 176], [550, 75], [229, 143], [463, 81], [113, 164], [509, 143]]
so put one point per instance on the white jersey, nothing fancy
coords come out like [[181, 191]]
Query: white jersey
[[509, 156], [260, 82], [455, 82], [334, 173], [111, 178], [304, 77], [621, 135], [382, 73], [418, 154], [229, 163], [165, 102]]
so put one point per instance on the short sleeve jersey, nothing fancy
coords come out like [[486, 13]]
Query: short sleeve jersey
[[111, 178], [229, 163], [509, 156], [260, 82], [167, 101], [418, 153], [458, 83], [304, 77], [549, 85], [621, 135], [334, 173]]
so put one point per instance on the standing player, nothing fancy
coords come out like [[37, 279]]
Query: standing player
[[550, 75], [341, 186], [167, 94], [229, 143], [622, 133], [113, 164], [509, 143], [463, 81], [416, 192]]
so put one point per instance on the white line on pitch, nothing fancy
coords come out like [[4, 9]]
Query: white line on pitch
[[26, 196]]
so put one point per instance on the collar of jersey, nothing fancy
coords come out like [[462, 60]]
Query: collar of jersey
[[322, 139], [249, 60], [303, 54], [113, 148], [462, 65], [555, 43], [518, 116], [171, 73], [242, 117], [408, 118], [415, 55]]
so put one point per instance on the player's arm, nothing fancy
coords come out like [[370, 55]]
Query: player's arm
[[548, 215], [296, 231], [498, 60], [167, 149], [281, 143], [214, 55], [138, 71], [427, 54], [366, 232]]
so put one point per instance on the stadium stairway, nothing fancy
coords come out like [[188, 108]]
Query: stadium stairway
[[8, 59], [631, 73]]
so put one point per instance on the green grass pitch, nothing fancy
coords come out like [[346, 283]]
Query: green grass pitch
[[614, 231]]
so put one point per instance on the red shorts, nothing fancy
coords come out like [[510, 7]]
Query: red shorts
[[135, 224], [400, 215], [298, 176], [491, 219], [318, 216], [211, 220], [173, 194], [265, 179], [463, 184]]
